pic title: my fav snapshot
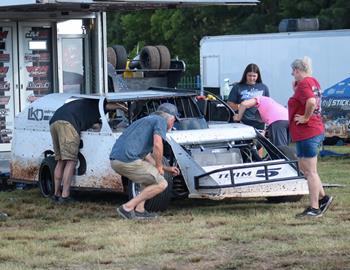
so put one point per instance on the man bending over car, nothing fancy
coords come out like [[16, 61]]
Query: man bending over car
[[138, 154]]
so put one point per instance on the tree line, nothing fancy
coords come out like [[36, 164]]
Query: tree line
[[182, 29]]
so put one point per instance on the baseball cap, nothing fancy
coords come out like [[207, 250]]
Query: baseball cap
[[168, 108]]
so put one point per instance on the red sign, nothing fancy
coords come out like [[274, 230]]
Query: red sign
[[3, 71], [3, 34], [4, 100], [37, 71]]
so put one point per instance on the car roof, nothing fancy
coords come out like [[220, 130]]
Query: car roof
[[147, 94]]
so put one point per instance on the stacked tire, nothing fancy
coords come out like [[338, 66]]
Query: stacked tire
[[117, 56], [155, 57], [151, 57]]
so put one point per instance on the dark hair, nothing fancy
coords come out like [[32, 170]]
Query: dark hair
[[251, 68]]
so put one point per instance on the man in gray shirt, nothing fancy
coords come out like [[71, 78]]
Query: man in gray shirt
[[131, 157]]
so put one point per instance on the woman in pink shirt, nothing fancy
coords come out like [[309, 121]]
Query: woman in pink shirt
[[273, 114]]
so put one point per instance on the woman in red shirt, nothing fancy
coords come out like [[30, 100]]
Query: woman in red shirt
[[306, 129]]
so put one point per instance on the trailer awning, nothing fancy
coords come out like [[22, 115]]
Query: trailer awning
[[110, 5]]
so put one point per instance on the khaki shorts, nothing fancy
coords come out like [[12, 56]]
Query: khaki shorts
[[138, 171], [65, 139]]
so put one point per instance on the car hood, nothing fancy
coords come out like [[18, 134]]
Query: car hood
[[215, 133]]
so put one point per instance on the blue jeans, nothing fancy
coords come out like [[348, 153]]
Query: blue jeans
[[309, 148]]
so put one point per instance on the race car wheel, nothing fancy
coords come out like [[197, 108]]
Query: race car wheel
[[46, 176], [159, 202], [290, 154]]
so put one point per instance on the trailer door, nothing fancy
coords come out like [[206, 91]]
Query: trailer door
[[73, 57]]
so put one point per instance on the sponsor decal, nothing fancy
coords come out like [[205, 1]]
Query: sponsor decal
[[4, 57], [5, 131], [5, 86], [271, 172], [3, 34], [32, 98], [39, 114], [37, 34], [4, 100], [3, 71], [4, 112], [43, 57], [38, 85], [37, 71], [335, 102]]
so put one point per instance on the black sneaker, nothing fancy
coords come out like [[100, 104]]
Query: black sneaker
[[55, 198], [65, 200], [310, 212], [145, 215], [324, 203], [125, 214], [3, 216]]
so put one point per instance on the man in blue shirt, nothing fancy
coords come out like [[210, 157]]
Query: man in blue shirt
[[131, 157]]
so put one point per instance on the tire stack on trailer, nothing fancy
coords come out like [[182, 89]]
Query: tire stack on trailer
[[152, 67], [150, 57], [117, 56], [155, 57]]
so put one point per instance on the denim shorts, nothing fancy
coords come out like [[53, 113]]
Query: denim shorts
[[309, 148]]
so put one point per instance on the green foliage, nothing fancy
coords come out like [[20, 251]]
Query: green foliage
[[182, 29]]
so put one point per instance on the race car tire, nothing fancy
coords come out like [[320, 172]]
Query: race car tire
[[164, 55], [290, 154], [121, 57], [150, 58], [159, 202], [46, 176]]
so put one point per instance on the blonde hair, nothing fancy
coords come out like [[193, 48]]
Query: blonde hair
[[303, 65]]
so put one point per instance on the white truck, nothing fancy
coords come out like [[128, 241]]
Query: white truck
[[225, 57]]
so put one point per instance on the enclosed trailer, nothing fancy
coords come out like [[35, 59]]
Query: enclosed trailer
[[59, 46], [225, 57]]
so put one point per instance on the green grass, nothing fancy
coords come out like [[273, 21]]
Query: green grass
[[192, 234]]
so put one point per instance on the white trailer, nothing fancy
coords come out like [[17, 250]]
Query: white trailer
[[224, 57], [59, 46]]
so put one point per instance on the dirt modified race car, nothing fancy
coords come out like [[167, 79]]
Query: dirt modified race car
[[217, 158]]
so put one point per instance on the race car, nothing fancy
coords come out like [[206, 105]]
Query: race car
[[217, 158]]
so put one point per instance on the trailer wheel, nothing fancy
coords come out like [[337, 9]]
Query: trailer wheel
[[150, 58], [164, 56], [46, 176], [111, 56], [290, 154], [121, 56], [331, 140], [159, 202]]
